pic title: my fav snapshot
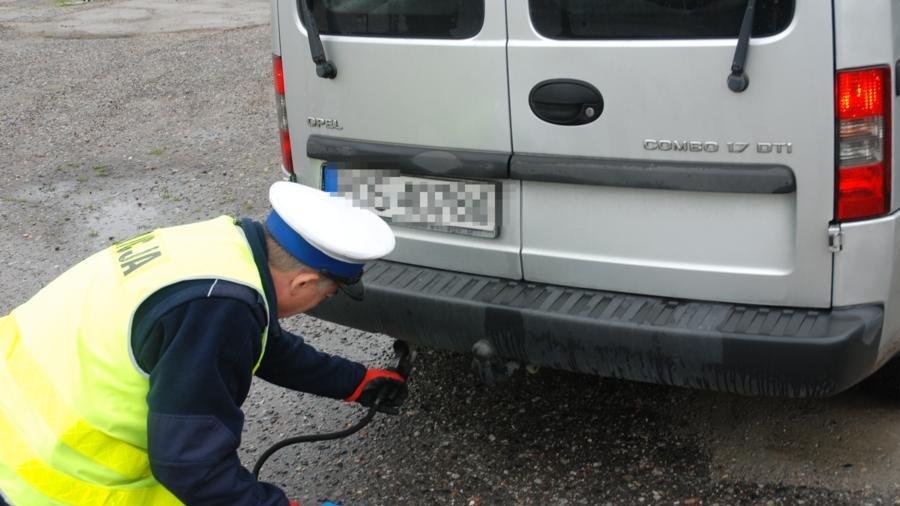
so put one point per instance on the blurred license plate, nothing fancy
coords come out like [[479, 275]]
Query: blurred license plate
[[456, 206]]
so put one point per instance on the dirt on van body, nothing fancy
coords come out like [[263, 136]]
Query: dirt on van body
[[117, 116]]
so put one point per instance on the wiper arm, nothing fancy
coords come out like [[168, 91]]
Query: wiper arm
[[324, 67], [738, 80]]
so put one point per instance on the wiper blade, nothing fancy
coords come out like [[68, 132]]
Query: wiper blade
[[324, 67], [738, 80]]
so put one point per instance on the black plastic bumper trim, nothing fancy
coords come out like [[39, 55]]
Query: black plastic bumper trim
[[755, 350], [365, 155], [705, 177], [442, 162]]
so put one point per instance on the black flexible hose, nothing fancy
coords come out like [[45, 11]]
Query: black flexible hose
[[310, 438], [404, 367]]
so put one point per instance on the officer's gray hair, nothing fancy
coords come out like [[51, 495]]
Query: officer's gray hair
[[280, 259]]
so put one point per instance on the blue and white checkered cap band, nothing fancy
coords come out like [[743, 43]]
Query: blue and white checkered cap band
[[305, 252]]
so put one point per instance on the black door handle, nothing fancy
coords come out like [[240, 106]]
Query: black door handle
[[566, 102]]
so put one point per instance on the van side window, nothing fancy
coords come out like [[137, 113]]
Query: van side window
[[656, 19], [432, 19]]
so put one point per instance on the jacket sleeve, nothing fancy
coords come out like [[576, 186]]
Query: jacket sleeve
[[291, 363], [203, 353]]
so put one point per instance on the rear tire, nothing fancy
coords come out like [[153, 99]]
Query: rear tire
[[886, 381]]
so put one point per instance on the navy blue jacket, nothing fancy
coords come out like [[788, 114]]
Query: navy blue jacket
[[199, 341]]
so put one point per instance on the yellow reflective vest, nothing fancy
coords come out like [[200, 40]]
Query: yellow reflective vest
[[73, 410]]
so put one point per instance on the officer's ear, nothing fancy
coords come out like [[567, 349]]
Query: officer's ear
[[304, 279]]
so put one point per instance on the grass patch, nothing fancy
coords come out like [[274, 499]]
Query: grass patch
[[81, 178], [171, 198], [156, 151], [69, 3], [101, 170], [14, 200], [65, 166]]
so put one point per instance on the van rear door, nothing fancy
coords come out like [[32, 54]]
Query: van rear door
[[672, 184], [421, 88]]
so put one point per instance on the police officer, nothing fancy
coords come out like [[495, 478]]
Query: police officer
[[121, 381]]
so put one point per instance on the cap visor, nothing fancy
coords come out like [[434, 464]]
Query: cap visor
[[355, 291]]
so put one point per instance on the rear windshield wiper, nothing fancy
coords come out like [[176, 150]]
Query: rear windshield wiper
[[738, 80], [324, 67]]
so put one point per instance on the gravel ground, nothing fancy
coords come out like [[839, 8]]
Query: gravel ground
[[106, 132]]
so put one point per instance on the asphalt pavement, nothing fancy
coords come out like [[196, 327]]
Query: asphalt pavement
[[117, 116]]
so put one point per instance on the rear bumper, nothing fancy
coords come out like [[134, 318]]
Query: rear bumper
[[742, 349]]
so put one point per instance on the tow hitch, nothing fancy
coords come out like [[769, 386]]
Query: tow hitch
[[488, 368]]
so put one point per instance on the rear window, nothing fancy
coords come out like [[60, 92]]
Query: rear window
[[431, 19], [656, 19]]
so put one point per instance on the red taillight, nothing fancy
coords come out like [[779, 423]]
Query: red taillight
[[281, 105], [861, 92], [863, 178], [278, 74], [286, 159], [861, 192]]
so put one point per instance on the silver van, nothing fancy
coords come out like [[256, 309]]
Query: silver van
[[687, 192]]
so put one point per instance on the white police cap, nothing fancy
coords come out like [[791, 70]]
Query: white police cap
[[326, 232]]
